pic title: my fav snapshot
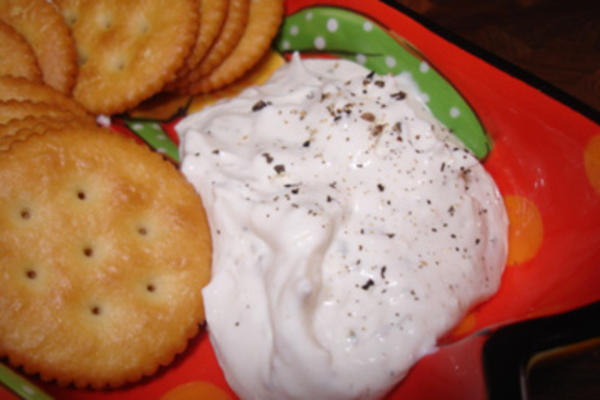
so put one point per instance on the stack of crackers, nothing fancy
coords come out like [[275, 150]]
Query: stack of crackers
[[110, 55], [104, 246]]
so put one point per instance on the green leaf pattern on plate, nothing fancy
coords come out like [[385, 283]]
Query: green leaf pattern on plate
[[21, 386], [154, 135], [350, 35]]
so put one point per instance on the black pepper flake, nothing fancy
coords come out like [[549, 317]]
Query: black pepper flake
[[380, 187], [333, 184], [442, 167], [368, 284], [279, 168], [306, 144], [451, 211], [397, 127], [295, 191], [259, 105], [477, 241], [377, 129], [371, 75], [398, 95], [379, 83], [329, 199], [382, 272], [390, 235], [268, 157], [453, 236], [216, 151], [368, 116]]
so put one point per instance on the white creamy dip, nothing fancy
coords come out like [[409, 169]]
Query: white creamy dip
[[350, 230]]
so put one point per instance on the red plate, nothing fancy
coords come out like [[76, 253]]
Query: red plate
[[546, 162]]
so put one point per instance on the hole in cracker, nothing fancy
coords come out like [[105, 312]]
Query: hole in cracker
[[150, 287], [88, 251], [144, 27], [70, 19], [142, 230], [96, 310], [25, 213], [81, 195], [31, 274], [81, 59]]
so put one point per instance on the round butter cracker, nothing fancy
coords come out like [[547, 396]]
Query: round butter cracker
[[127, 50], [43, 28], [12, 88], [212, 16], [264, 19], [231, 32], [105, 248], [17, 56], [17, 109]]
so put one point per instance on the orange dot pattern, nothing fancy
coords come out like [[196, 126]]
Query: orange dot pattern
[[465, 325], [591, 158], [526, 229], [198, 390]]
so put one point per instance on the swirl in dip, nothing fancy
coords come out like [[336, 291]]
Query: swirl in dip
[[350, 230]]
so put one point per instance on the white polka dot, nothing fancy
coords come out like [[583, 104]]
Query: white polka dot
[[423, 67], [332, 24], [454, 112], [161, 150], [161, 136], [361, 58], [309, 16], [390, 61], [320, 42], [156, 127], [27, 389], [103, 120], [367, 26], [285, 45], [294, 30], [137, 127]]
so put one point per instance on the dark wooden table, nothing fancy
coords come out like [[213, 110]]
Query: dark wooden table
[[557, 41]]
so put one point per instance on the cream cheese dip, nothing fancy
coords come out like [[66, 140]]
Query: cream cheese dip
[[350, 230]]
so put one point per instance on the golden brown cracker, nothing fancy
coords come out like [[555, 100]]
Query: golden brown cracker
[[212, 16], [162, 107], [127, 50], [105, 250], [233, 28], [18, 136], [48, 35], [40, 124], [21, 89], [15, 109], [17, 56], [265, 16]]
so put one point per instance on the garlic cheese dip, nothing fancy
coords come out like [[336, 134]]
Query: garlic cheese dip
[[350, 230]]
